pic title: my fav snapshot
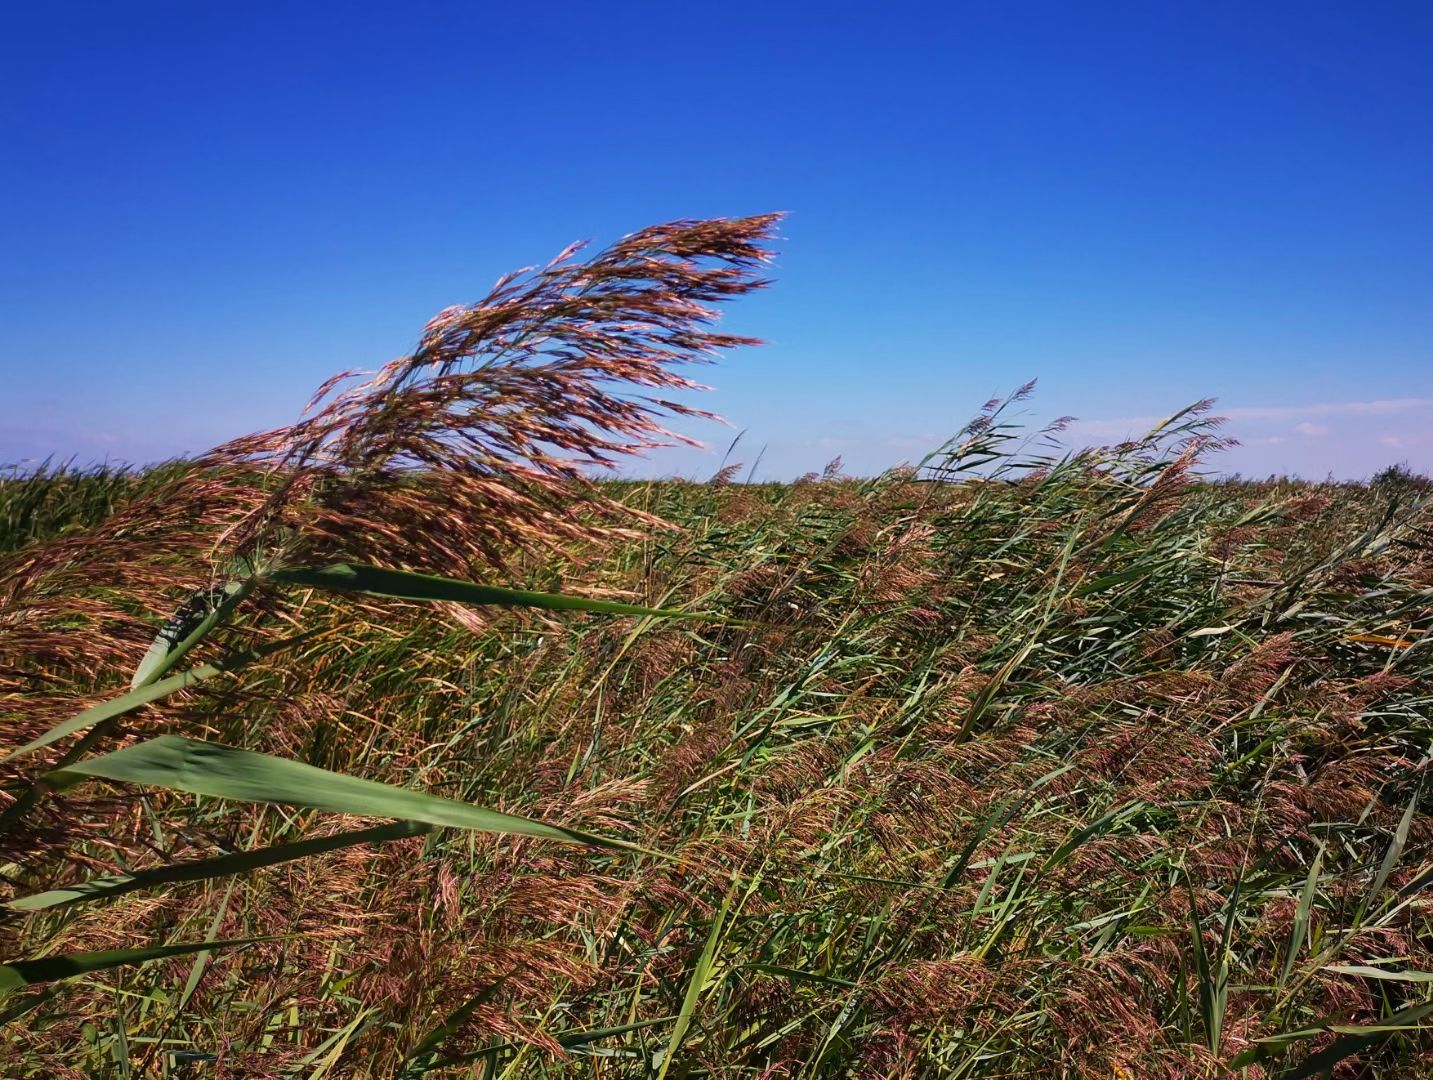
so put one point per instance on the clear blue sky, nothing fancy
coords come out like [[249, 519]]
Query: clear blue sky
[[207, 209]]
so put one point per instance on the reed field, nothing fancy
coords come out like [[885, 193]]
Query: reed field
[[391, 744]]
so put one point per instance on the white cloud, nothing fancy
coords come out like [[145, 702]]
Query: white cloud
[[1381, 407], [1122, 426]]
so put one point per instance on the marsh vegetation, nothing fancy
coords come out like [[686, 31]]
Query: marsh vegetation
[[391, 744]]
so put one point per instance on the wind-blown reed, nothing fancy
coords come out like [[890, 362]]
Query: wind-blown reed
[[469, 450], [1024, 762]]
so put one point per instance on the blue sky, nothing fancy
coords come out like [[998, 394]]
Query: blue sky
[[210, 208]]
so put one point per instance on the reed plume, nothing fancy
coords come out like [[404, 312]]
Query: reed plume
[[472, 447], [510, 400]]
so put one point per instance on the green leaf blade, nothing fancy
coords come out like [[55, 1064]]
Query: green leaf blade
[[239, 862], [226, 772], [69, 965], [407, 585]]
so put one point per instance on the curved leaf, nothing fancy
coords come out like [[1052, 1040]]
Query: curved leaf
[[238, 862], [144, 695], [407, 585], [226, 772], [67, 966]]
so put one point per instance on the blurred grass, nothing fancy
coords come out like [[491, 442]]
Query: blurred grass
[[52, 500]]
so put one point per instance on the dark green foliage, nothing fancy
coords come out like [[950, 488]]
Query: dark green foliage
[[54, 500]]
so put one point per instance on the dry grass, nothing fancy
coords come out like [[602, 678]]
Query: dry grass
[[1035, 765]]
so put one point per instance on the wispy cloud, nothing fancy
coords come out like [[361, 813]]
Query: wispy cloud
[[1121, 426], [1381, 407]]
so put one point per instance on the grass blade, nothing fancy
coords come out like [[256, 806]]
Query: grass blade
[[1395, 850], [50, 968], [407, 585], [422, 1059], [1368, 971], [701, 971], [188, 626], [239, 862], [1355, 1039], [1299, 929], [226, 772], [147, 694]]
